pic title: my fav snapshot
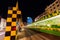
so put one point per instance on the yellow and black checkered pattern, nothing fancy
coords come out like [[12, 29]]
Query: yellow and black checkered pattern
[[13, 15]]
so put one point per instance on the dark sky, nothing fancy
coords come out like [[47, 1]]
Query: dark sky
[[29, 8]]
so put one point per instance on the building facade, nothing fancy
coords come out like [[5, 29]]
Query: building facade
[[52, 8], [40, 16], [50, 11]]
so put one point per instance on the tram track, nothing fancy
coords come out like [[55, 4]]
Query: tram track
[[34, 35], [38, 35]]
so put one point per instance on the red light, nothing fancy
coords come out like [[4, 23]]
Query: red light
[[13, 28]]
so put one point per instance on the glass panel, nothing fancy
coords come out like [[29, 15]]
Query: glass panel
[[55, 12]]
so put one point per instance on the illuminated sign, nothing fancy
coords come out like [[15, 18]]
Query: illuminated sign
[[29, 20]]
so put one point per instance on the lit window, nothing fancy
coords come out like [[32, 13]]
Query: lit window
[[57, 5], [59, 12], [44, 16], [50, 6], [51, 9], [51, 15], [47, 16], [56, 2], [53, 4], [54, 7], [55, 12]]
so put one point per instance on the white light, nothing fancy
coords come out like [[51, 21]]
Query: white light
[[35, 19], [48, 24], [50, 18], [36, 23]]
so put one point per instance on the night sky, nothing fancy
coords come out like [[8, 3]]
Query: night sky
[[29, 8]]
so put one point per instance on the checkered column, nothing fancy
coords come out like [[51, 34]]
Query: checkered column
[[13, 15]]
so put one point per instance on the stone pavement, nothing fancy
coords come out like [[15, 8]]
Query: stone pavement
[[33, 35]]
